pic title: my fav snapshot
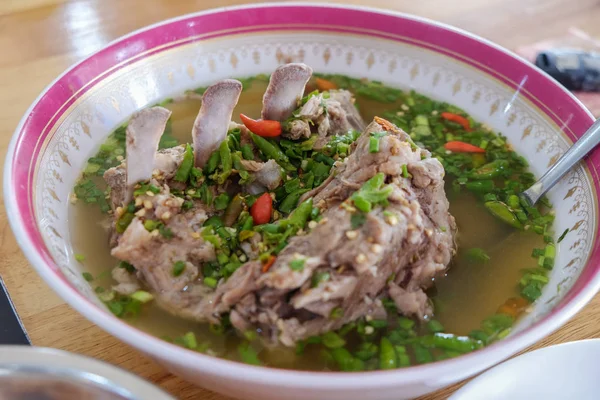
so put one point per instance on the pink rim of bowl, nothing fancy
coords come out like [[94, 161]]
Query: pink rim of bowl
[[552, 99]]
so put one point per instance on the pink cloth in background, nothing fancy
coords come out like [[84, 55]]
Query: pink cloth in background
[[575, 39]]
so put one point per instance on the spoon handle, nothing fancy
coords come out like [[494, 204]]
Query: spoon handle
[[574, 154]]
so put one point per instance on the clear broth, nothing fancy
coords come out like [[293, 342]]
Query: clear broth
[[469, 292]]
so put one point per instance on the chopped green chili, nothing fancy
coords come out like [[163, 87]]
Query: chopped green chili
[[183, 172]]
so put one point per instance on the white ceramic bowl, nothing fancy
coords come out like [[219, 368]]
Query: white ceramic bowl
[[565, 371], [77, 111], [27, 369]]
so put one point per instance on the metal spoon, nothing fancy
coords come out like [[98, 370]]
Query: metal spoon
[[580, 149]]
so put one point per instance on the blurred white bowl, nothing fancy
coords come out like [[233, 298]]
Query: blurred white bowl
[[40, 373], [564, 371]]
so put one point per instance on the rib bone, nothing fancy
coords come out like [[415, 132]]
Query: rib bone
[[286, 88], [143, 135], [212, 122]]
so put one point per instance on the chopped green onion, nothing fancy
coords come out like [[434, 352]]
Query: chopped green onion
[[248, 355], [222, 201], [318, 277], [550, 251], [373, 145], [531, 292], [297, 264], [336, 313], [405, 172], [406, 323], [210, 282], [151, 225], [357, 220], [178, 268], [87, 276], [142, 296], [477, 254], [434, 326], [165, 232], [189, 340], [183, 172], [332, 340]]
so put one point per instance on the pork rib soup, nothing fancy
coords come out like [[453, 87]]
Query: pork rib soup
[[312, 221]]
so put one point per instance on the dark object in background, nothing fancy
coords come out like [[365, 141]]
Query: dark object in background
[[11, 328], [574, 69]]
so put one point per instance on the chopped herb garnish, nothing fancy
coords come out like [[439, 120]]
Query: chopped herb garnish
[[122, 306], [125, 265], [248, 355], [357, 220], [183, 172], [210, 282], [165, 232], [478, 255], [151, 225], [115, 307], [332, 340], [406, 323], [562, 235], [124, 221], [532, 291], [434, 326], [374, 141], [318, 277], [79, 257], [188, 341], [373, 145], [336, 313], [87, 276], [144, 188], [405, 173], [372, 192], [222, 201], [178, 268], [297, 264], [142, 296]]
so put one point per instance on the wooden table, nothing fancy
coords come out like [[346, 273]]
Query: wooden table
[[40, 38]]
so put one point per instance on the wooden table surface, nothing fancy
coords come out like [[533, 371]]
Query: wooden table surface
[[41, 38]]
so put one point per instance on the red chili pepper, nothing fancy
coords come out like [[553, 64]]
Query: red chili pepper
[[459, 119], [262, 127], [513, 306], [270, 261], [462, 147], [325, 85], [261, 209]]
